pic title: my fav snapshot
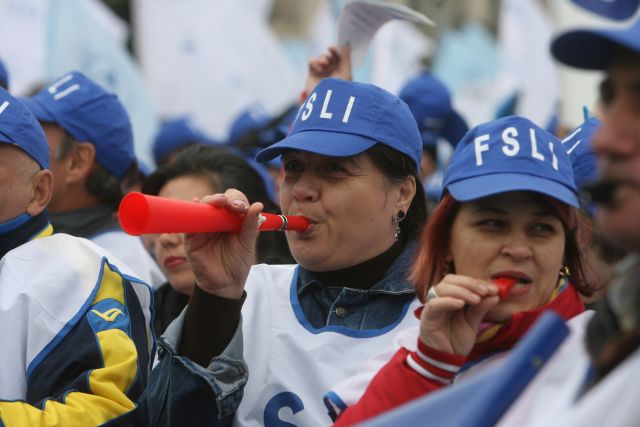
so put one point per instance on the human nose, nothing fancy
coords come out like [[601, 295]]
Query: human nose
[[517, 247], [306, 188], [169, 239]]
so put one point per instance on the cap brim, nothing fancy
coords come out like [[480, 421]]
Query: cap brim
[[592, 49], [487, 185], [38, 110], [332, 144]]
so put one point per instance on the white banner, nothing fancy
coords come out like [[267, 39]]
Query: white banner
[[86, 36], [211, 59], [524, 38], [23, 27]]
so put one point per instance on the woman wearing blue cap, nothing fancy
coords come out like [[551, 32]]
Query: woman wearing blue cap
[[351, 161], [501, 247], [199, 170]]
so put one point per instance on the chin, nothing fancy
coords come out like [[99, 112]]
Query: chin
[[183, 287]]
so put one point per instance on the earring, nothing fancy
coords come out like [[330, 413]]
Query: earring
[[565, 272], [397, 220]]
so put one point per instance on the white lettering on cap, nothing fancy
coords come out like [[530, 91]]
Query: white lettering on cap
[[508, 137], [308, 107], [324, 114], [480, 147], [534, 146], [54, 89], [554, 159], [4, 106], [347, 112]]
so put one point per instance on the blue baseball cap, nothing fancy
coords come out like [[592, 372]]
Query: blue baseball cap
[[593, 48], [20, 128], [4, 76], [583, 158], [90, 114], [510, 154], [616, 9], [343, 118], [430, 103], [254, 118], [175, 134]]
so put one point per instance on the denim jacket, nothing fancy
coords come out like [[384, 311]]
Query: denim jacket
[[181, 392]]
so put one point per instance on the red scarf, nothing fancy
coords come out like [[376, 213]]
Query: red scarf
[[567, 304]]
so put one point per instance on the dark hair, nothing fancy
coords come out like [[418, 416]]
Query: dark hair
[[396, 167], [430, 263], [224, 169], [100, 182]]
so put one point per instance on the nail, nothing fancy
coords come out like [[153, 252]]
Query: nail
[[238, 203]]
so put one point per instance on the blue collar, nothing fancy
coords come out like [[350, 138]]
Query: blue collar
[[394, 280]]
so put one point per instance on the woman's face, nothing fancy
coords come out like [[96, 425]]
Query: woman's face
[[515, 235], [169, 247], [349, 204]]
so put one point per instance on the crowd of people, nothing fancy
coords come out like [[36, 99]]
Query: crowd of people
[[411, 278]]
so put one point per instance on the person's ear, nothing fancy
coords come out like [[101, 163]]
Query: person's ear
[[80, 162], [41, 190], [406, 193]]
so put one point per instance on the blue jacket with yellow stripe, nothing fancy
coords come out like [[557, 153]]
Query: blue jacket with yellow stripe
[[76, 344]]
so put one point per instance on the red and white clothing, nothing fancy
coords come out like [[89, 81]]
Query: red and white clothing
[[416, 370]]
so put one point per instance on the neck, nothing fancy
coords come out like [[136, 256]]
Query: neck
[[363, 275], [20, 230], [72, 198]]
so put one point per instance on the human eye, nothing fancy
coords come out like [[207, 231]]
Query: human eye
[[545, 228], [291, 165], [491, 224], [335, 169]]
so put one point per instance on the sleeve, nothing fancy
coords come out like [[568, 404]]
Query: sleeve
[[407, 376], [94, 373], [182, 392]]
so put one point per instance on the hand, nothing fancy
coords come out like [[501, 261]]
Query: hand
[[449, 323], [221, 261], [334, 63]]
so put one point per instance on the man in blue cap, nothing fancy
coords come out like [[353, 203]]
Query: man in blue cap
[[92, 156], [74, 321], [592, 380]]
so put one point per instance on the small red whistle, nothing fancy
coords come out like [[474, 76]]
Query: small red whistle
[[504, 285]]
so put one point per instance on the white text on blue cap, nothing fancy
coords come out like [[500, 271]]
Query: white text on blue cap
[[511, 146], [325, 114]]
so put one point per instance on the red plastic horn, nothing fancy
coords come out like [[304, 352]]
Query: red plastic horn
[[142, 214]]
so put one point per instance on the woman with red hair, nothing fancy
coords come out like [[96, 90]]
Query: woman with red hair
[[501, 247]]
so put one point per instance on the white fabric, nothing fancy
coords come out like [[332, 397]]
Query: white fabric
[[553, 397], [218, 58], [287, 359], [131, 250], [351, 389], [44, 284]]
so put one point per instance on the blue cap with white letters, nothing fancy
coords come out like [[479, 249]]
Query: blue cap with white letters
[[18, 127], [594, 48], [343, 118], [90, 114], [510, 154]]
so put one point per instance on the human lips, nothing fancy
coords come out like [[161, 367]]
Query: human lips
[[172, 262]]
